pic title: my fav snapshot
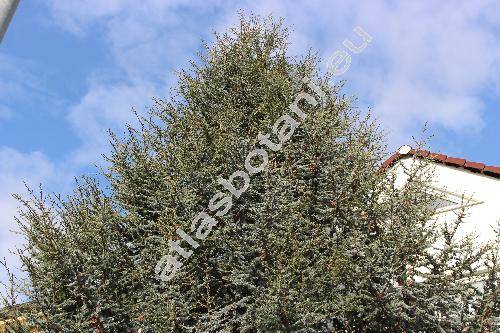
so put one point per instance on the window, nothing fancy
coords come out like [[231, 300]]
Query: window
[[439, 203], [444, 201]]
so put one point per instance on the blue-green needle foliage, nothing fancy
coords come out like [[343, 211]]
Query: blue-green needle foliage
[[321, 241]]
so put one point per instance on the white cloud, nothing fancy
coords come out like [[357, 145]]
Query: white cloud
[[106, 107], [148, 43], [76, 15], [14, 78], [21, 80], [428, 61], [5, 113], [435, 61], [147, 40]]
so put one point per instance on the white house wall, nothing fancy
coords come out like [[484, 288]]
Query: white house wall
[[484, 192]]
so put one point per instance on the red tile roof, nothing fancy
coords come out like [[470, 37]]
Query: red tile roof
[[405, 151]]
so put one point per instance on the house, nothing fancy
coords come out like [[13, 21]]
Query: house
[[457, 183]]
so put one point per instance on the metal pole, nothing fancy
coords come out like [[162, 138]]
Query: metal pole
[[7, 9]]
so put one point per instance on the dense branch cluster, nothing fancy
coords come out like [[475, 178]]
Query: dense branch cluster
[[319, 242]]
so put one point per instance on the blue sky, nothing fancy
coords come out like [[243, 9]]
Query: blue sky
[[70, 70]]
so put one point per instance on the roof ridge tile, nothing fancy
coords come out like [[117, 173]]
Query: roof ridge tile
[[477, 167]]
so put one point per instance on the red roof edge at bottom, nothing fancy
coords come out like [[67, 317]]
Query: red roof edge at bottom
[[405, 151]]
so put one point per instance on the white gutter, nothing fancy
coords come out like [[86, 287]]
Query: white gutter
[[7, 9]]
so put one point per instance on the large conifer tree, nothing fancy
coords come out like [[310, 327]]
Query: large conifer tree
[[320, 241]]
